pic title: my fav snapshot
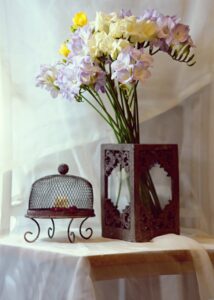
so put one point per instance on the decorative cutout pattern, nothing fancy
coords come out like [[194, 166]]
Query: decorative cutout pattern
[[164, 157], [165, 220], [115, 157], [114, 218]]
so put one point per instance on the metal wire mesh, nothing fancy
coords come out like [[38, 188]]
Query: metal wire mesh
[[59, 191]]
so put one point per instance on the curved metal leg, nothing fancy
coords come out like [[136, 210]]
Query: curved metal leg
[[71, 235], [87, 229], [29, 232], [51, 230]]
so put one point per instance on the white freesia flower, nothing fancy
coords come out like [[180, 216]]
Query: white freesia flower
[[104, 42], [92, 46], [102, 21], [122, 27], [100, 44], [117, 46], [116, 29]]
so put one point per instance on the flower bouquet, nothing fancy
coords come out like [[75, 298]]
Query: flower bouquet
[[103, 63], [105, 60]]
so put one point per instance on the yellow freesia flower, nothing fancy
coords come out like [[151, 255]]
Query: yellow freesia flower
[[80, 19], [63, 50], [143, 31], [149, 29]]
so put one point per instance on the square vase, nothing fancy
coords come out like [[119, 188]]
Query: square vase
[[139, 191]]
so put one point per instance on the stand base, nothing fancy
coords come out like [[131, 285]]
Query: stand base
[[51, 231]]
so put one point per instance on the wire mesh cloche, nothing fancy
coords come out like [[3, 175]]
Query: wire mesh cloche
[[61, 196]]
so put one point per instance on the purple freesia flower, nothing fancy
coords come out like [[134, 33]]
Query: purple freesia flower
[[151, 15], [125, 13], [169, 30], [123, 73], [140, 72], [91, 74], [132, 64], [166, 24], [180, 33], [161, 44], [68, 81], [122, 67], [46, 79], [86, 70], [78, 43], [78, 72], [75, 45], [100, 81]]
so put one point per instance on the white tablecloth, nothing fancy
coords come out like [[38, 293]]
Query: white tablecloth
[[55, 269]]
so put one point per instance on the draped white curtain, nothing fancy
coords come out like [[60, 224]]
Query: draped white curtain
[[38, 133], [190, 125]]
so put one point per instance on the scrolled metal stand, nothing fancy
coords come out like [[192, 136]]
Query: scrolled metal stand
[[70, 233], [87, 229], [51, 230], [29, 232]]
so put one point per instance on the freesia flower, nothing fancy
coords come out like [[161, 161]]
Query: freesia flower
[[149, 30], [80, 19], [91, 74], [81, 71], [180, 33], [102, 22], [102, 44], [140, 72], [68, 81], [140, 55], [78, 43], [63, 50], [46, 79], [131, 65], [117, 46], [166, 25], [125, 13], [151, 14], [122, 27], [144, 31]]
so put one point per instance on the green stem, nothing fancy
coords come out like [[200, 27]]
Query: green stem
[[117, 107], [117, 135], [130, 117], [98, 99], [114, 94], [119, 121], [132, 113], [136, 115], [120, 187]]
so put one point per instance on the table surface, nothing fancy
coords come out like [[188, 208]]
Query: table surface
[[115, 259]]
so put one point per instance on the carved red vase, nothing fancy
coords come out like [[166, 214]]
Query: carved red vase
[[133, 207]]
